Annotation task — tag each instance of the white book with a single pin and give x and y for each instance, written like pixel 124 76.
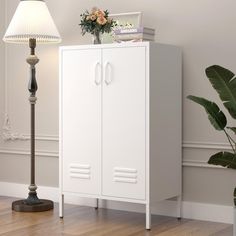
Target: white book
pixel 135 36
pixel 144 30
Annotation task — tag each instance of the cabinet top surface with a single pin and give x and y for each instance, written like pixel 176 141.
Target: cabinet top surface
pixel 110 45
pixel 107 45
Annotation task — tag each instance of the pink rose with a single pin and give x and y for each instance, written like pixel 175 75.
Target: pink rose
pixel 99 13
pixel 93 17
pixel 101 20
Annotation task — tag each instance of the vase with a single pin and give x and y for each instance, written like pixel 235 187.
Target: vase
pixel 97 37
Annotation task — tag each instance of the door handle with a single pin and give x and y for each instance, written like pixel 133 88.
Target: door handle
pixel 98 73
pixel 108 77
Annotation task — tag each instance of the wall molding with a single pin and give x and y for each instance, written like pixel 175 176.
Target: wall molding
pixel 185 163
pixel 201 164
pixel 42 153
pixel 206 145
pixel 46 153
pixel 190 210
pixel 54 138
pixel 8 134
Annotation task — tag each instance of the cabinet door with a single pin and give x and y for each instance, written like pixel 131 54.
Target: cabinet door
pixel 123 122
pixel 81 121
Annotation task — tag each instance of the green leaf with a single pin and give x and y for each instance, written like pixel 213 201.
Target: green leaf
pixel 235 197
pixel 215 115
pixel 235 192
pixel 225 159
pixel 232 129
pixel 224 82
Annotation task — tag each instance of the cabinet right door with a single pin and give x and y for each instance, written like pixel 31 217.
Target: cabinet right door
pixel 123 122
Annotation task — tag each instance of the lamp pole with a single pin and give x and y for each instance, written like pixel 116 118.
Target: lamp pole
pixel 32 203
pixel 32 60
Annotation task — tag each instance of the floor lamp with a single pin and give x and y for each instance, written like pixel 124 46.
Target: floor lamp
pixel 32 23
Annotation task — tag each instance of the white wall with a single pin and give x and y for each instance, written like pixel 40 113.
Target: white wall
pixel 204 29
pixel 2 60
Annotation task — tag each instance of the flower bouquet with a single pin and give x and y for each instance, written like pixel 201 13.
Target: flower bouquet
pixel 96 22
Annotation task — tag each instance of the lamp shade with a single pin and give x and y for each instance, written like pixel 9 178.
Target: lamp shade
pixel 32 20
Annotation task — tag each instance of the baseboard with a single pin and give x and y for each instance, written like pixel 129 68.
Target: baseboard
pixel 190 210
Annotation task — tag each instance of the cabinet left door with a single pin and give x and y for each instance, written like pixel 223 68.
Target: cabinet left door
pixel 80 120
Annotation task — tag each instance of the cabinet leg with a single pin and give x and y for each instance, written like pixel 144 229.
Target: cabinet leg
pixel 148 217
pixel 179 207
pixel 96 204
pixel 61 206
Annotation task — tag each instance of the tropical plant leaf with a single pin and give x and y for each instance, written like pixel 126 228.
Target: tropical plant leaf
pixel 215 115
pixel 232 129
pixel 224 82
pixel 234 196
pixel 225 159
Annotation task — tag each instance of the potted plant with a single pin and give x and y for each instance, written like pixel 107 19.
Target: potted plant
pixel 224 82
pixel 96 22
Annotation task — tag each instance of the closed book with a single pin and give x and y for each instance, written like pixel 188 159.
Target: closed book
pixel 135 30
pixel 134 40
pixel 135 36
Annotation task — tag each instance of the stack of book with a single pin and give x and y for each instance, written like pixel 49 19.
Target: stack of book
pixel 134 34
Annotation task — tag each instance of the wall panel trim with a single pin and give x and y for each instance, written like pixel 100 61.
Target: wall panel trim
pixel 201 164
pixel 185 163
pixel 9 135
pixel 54 138
pixel 42 153
pixel 206 145
pixel 45 153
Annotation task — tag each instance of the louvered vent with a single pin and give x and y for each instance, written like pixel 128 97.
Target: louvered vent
pixel 80 171
pixel 125 175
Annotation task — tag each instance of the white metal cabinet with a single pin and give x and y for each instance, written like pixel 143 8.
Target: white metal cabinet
pixel 120 123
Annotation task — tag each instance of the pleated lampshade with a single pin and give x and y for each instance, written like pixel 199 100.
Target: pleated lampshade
pixel 32 19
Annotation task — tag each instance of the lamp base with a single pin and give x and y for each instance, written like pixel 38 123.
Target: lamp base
pixel 21 206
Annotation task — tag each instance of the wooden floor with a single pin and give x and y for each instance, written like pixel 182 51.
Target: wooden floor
pixel 86 221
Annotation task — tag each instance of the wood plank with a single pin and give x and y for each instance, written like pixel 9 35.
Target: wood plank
pixel 86 221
